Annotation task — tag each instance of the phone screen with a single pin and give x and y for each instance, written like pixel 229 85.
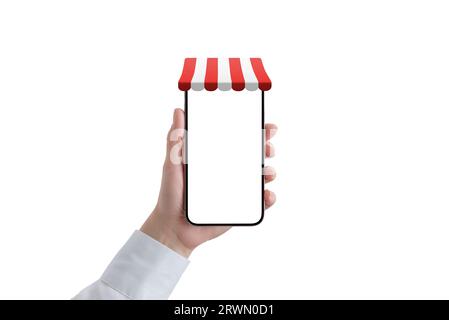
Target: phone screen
pixel 225 149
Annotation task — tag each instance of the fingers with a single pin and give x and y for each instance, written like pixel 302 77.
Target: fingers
pixel 270 130
pixel 270 198
pixel 269 174
pixel 178 119
pixel 174 138
pixel 269 150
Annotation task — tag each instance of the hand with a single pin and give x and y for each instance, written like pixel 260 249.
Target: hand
pixel 167 223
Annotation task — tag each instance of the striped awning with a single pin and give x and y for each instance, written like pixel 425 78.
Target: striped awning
pixel 224 74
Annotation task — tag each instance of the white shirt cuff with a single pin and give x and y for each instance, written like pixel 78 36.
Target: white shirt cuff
pixel 144 269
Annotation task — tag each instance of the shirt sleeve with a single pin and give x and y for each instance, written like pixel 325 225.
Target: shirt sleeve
pixel 142 269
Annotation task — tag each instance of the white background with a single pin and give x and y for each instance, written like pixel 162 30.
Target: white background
pixel 360 95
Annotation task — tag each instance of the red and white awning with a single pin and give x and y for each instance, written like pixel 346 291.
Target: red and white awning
pixel 224 74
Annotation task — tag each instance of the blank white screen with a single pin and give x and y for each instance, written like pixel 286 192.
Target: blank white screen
pixel 224 157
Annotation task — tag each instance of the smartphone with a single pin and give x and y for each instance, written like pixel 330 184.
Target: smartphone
pixel 224 146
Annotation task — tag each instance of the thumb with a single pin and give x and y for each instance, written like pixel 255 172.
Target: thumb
pixel 175 139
